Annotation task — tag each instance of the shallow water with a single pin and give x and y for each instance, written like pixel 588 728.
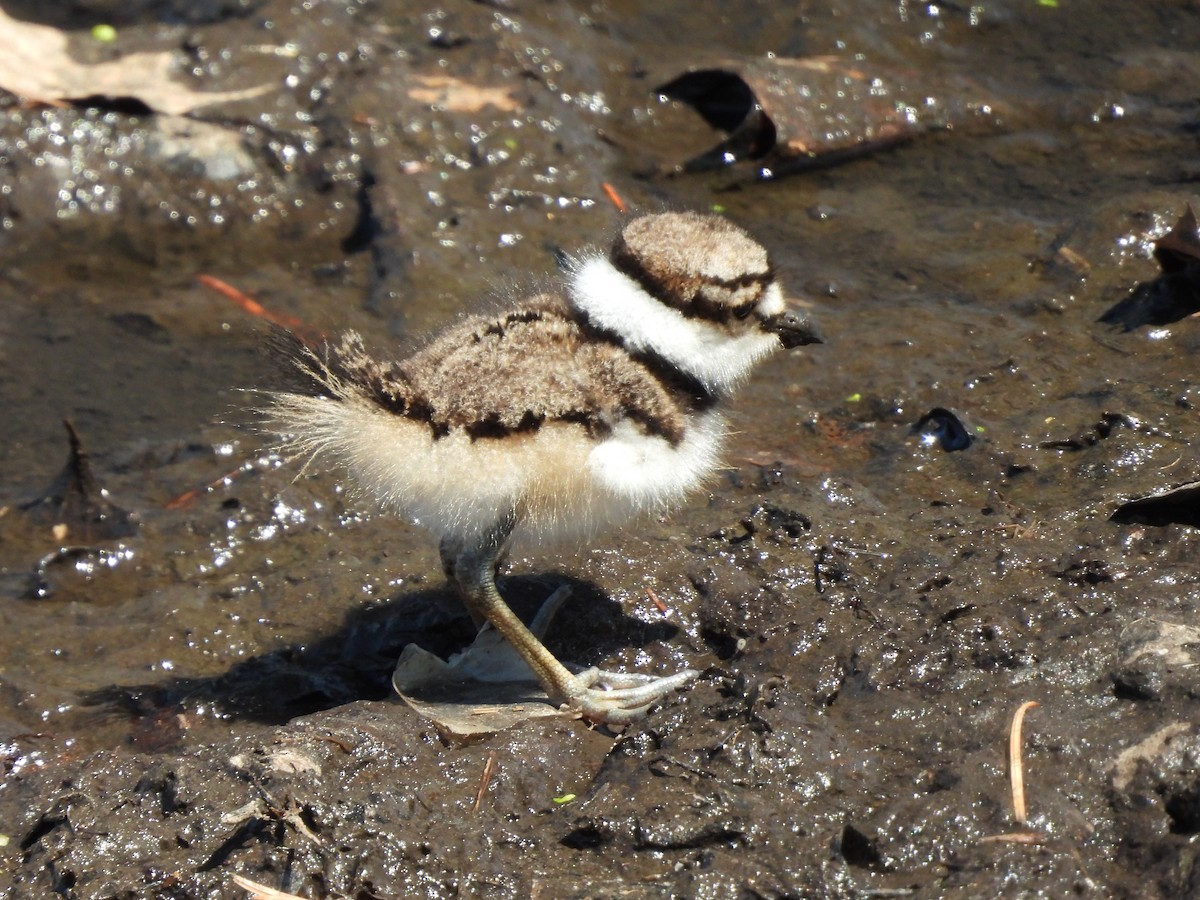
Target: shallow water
pixel 869 609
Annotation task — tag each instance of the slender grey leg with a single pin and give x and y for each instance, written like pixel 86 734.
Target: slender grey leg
pixel 449 548
pixel 474 571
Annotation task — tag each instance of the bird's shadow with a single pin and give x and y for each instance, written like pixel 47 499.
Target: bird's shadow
pixel 356 661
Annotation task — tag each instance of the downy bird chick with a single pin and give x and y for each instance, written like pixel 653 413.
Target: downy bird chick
pixel 567 413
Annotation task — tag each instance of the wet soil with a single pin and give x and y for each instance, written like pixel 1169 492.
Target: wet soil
pixel 960 503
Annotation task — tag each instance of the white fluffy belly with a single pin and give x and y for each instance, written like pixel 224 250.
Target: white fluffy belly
pixel 561 483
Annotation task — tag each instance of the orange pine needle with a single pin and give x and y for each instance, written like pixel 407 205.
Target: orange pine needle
pixel 614 198
pixel 662 607
pixel 186 499
pixel 488 768
pixel 254 308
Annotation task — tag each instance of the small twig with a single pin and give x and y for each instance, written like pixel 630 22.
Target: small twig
pixel 1172 465
pixel 615 198
pixel 1016 772
pixel 292 816
pixel 1018 531
pixel 1014 837
pixel 337 742
pixel 662 607
pixel 261 891
pixel 489 768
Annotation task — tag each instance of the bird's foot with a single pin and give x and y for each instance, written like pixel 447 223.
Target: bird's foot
pixel 613 698
pixel 618 698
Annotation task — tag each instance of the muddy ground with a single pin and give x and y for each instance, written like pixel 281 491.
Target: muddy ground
pixel 200 688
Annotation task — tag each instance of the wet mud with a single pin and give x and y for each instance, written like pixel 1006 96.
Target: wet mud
pixel 979 492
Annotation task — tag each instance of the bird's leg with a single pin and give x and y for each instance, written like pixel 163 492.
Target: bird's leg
pixel 474 571
pixel 450 548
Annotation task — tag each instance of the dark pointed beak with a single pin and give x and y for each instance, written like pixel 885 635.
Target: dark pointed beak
pixel 793 330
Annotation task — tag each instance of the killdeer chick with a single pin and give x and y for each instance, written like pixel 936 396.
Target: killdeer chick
pixel 569 412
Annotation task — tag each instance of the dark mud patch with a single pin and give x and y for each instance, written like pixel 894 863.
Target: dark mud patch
pixel 974 495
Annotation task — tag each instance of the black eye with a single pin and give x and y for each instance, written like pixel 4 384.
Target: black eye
pixel 744 310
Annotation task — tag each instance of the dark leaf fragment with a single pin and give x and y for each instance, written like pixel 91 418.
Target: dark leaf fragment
pixel 790 115
pixel 76 505
pixel 943 427
pixel 1172 506
pixel 1094 434
pixel 1173 295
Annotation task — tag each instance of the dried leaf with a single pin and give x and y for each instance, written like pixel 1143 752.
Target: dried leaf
pixel 35 64
pixel 480 691
pixel 484 689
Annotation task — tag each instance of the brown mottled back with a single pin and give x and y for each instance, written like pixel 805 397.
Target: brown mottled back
pixel 512 372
